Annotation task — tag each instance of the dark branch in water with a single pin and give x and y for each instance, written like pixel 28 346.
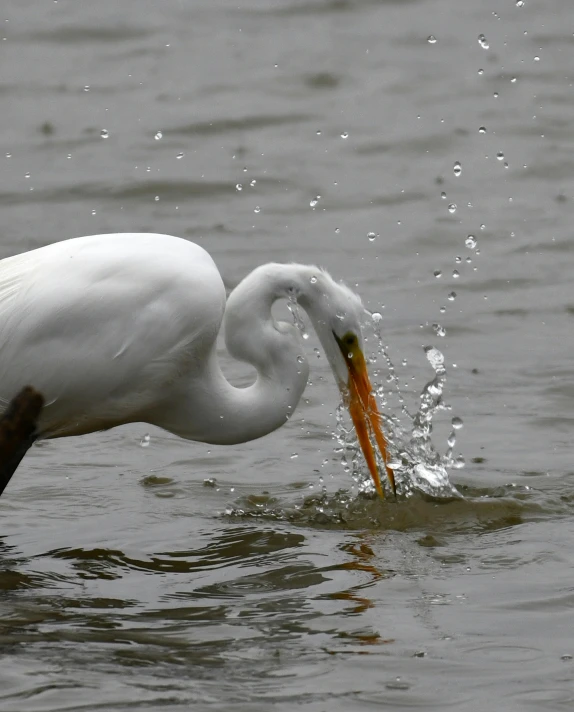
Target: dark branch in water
pixel 18 431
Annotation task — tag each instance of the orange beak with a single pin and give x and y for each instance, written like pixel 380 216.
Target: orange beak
pixel 364 411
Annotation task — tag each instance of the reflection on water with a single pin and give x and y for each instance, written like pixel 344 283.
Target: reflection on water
pixel 264 598
pixel 277 597
pixel 261 603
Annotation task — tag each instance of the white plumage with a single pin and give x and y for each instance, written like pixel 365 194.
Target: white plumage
pixel 121 328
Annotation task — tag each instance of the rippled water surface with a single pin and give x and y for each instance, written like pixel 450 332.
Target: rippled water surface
pixel 152 573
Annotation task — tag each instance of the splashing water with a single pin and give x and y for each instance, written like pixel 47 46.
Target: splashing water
pixel 417 464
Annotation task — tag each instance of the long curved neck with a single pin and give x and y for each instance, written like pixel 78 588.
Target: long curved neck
pixel 218 412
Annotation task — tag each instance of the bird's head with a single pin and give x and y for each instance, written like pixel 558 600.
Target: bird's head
pixel 337 312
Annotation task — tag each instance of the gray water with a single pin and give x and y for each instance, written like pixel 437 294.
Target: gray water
pixel 165 574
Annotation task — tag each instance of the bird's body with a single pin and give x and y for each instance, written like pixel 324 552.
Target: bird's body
pixel 113 329
pixel 102 325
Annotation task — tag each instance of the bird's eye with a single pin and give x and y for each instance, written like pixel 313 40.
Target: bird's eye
pixel 349 339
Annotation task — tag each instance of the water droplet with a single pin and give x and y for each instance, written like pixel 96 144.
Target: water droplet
pixel 345 134
pixel 294 455
pixel 495 95
pixel 252 184
pixel 500 156
pixel 314 202
pixel 457 422
pixel 180 155
pixel 337 230
pixel 340 315
pixel 317 352
pixel 434 357
pixel 482 129
pixel 451 296
pixel 443 195
pixel 483 42
pixel 455 274
pixel 452 208
pixel 439 330
pixel 26 175
pixel 458 259
pixel 145 441
pixel 156 198
pixel 437 273
pixel 519 3
pixel 481 71
pixel 158 136
pixel 87 87
pixel 256 209
pixel 451 440
pixel 318 132
pixel 300 359
pixel 457 168
pixel 313 280
pixel 537 59
pixel 513 80
pixel 377 317
pixel 8 155
pixel 442 310
pixel 238 186
pixel 470 242
pixel 372 236
pixel 93 212
pixel 431 39
pixel 104 133
pixel 459 463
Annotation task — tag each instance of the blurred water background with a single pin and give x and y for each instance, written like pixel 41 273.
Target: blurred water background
pixel 138 571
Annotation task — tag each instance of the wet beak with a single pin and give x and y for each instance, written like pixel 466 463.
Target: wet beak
pixel 365 413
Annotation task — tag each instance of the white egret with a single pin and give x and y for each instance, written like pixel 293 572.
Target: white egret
pixel 121 328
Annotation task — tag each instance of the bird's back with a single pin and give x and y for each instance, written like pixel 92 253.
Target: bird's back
pixel 103 325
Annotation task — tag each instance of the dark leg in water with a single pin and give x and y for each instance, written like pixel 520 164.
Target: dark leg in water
pixel 18 431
